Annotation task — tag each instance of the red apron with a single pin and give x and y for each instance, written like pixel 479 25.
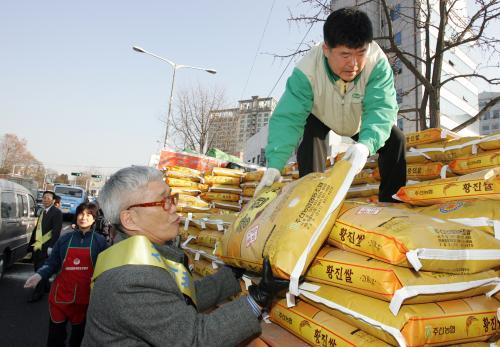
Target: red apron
pixel 70 292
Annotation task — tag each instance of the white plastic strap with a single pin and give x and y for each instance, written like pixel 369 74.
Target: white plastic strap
pixel 390 330
pixel 197 256
pixel 412 257
pixel 186 223
pixel 214 265
pixel 408 292
pixel 493 291
pixel 185 243
pixel 301 262
pixel 247 281
pixel 496 228
pixel 444 170
pixel 415 255
pixel 290 300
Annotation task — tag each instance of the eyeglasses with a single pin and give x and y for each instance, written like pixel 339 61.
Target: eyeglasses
pixel 166 203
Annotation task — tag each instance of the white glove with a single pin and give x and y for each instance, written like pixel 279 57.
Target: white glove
pixel 49 251
pixel 33 281
pixel 357 154
pixel 272 175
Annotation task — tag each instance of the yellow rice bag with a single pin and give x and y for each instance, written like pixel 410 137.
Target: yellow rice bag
pixel 250 184
pixel 413 157
pixel 248 191
pixel 208 237
pixel 227 205
pixel 392 283
pixel 318 328
pixel 287 223
pixel 365 176
pixel 432 324
pixel 182 175
pixel 483 185
pixel 449 150
pixel 428 136
pixel 184 169
pixel 222 188
pixel 480 214
pixel 184 191
pixel 490 142
pixel 188 203
pixel 175 182
pixel 200 252
pixel 203 187
pixel 478 162
pixel 405 238
pixel 220 171
pixel 425 171
pixel 211 180
pixel 289 168
pixel 184 233
pixel 210 196
pixel 253 176
pixel 204 267
pixel 362 190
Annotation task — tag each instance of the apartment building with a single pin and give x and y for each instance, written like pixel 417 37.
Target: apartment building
pixel 490 121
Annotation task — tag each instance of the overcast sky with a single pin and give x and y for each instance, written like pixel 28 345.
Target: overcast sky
pixel 72 86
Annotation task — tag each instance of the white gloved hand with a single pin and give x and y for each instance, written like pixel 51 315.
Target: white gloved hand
pixel 32 281
pixel 270 176
pixel 357 154
pixel 49 251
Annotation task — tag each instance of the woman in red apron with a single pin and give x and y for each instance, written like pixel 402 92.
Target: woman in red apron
pixel 72 258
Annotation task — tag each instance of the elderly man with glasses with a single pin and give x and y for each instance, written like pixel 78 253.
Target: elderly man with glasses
pixel 143 293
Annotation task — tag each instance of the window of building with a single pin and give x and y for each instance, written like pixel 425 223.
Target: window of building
pixel 494 126
pixel 399 96
pixel 397 38
pixel 485 128
pixel 486 115
pixel 400 123
pixel 397 66
pixel 395 12
pixel 496 114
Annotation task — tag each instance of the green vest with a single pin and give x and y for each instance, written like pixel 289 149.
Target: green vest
pixel 40 238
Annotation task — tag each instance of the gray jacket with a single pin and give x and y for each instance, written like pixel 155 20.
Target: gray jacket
pixel 139 305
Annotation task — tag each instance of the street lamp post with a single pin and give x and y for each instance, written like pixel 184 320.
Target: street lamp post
pixel 175 66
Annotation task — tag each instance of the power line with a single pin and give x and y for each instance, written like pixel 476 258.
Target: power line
pixel 291 58
pixel 257 51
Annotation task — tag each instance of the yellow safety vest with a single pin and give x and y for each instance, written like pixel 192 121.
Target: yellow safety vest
pixel 138 250
pixel 40 238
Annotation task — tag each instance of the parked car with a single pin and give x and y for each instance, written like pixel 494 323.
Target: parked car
pixel 39 196
pixel 17 221
pixel 71 197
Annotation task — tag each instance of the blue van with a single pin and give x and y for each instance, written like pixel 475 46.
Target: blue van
pixel 71 197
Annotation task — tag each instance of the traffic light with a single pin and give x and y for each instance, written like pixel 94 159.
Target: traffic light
pixel 96 176
pixel 76 174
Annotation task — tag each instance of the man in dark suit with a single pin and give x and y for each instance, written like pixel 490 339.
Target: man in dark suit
pixel 44 237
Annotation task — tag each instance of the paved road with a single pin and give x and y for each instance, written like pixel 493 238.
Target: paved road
pixel 22 323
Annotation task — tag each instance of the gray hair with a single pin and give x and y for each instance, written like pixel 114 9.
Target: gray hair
pixel 124 188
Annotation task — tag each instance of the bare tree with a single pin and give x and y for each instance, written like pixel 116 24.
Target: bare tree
pixel 15 156
pixel 454 30
pixel 192 121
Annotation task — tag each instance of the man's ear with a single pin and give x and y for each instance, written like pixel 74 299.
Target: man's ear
pixel 127 220
pixel 326 49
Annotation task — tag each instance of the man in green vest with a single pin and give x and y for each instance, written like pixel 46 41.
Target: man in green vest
pixel 43 239
pixel 143 293
pixel 345 84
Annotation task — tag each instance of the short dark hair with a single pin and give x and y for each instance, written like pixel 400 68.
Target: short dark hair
pixel 90 207
pixel 51 193
pixel 348 27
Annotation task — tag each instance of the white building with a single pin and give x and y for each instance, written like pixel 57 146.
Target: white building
pixel 458 97
pixel 490 121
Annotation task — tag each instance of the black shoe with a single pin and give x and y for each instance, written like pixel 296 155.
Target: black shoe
pixel 35 297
